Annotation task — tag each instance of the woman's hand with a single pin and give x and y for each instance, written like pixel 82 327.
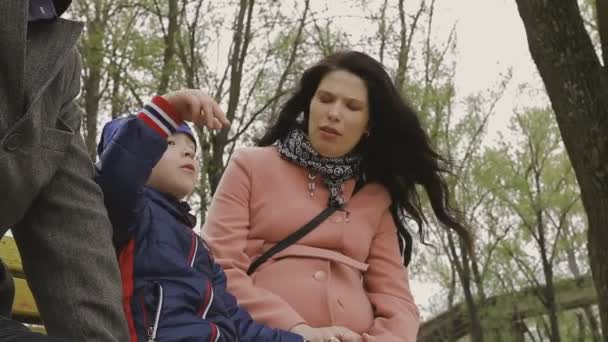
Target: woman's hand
pixel 368 338
pixel 340 334
pixel 196 106
pixel 309 333
pixel 327 334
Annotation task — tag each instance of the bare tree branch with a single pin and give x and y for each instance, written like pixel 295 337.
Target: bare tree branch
pixel 256 114
pixel 560 226
pixel 170 36
pixel 382 30
pixel 292 56
pixel 157 10
pixel 406 43
pixel 133 91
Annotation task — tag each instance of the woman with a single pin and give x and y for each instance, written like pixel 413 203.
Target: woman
pixel 345 138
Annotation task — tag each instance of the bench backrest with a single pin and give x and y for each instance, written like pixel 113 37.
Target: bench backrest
pixel 24 305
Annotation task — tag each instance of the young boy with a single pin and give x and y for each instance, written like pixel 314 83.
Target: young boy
pixel 172 288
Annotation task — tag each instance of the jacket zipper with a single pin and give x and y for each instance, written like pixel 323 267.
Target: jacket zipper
pixel 195 249
pixel 204 310
pixel 208 300
pixel 153 329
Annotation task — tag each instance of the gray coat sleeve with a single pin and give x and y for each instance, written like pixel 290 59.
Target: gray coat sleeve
pixel 65 241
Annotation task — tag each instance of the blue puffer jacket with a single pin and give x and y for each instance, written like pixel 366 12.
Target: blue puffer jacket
pixel 172 288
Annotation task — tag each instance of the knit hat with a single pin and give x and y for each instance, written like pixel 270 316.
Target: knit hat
pixel 112 127
pixel 185 129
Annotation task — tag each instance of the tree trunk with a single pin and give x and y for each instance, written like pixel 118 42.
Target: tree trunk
pixel 464 273
pixel 116 101
pixel 382 31
pixel 241 38
pixel 451 294
pixel 91 108
pixel 170 38
pixel 405 42
pixel 576 272
pixel 577 85
pixel 94 53
pixel 472 306
pixel 402 66
pixel 580 320
pixel 549 290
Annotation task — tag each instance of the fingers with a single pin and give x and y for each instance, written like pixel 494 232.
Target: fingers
pixel 196 106
pixel 350 337
pixel 343 334
pixel 220 115
pixel 368 338
pixel 217 124
pixel 211 115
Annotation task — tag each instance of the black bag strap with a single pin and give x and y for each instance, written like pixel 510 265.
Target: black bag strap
pixel 292 238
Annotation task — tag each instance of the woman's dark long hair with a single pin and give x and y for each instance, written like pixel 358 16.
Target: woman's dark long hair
pixel 397 153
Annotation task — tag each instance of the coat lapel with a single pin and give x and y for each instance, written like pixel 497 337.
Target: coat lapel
pixel 13 28
pixel 49 43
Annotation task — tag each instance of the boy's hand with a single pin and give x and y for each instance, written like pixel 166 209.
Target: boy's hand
pixel 196 106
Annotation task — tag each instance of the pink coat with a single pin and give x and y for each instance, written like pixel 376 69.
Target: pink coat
pixel 345 272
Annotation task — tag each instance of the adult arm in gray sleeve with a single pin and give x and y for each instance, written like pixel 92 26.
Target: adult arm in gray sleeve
pixel 65 241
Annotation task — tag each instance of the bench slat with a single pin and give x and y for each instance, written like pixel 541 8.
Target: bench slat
pixel 24 304
pixel 10 255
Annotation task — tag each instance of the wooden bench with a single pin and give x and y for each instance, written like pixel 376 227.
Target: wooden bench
pixel 24 305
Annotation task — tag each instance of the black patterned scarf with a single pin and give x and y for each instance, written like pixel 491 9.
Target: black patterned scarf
pixel 296 147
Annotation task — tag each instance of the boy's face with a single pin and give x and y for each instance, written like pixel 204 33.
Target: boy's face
pixel 176 171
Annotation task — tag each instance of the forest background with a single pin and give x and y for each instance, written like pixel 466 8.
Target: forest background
pixel 513 92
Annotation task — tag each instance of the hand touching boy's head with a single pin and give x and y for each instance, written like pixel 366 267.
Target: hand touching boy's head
pixel 177 170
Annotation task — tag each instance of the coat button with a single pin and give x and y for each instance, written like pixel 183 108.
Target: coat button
pixel 13 142
pixel 320 275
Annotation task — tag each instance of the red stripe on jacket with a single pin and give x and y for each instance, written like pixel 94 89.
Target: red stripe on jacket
pixel 125 260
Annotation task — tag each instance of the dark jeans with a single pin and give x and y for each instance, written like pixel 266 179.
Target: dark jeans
pixel 13 331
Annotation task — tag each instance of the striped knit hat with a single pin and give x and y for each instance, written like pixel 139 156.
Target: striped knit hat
pixel 157 114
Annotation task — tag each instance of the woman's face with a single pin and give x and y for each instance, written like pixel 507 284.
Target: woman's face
pixel 339 114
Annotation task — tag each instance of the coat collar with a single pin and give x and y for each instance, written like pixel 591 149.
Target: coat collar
pixel 13 30
pixel 49 43
pixel 178 209
pixel 30 57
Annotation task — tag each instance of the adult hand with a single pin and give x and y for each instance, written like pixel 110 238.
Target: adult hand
pixel 368 338
pixel 340 334
pixel 327 334
pixel 309 333
pixel 196 106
